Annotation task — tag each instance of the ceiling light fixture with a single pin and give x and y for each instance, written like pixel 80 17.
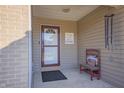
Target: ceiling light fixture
pixel 66 10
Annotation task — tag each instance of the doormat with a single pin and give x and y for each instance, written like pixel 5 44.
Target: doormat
pixel 52 76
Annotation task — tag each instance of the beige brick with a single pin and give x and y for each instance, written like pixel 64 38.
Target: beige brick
pixel 14 46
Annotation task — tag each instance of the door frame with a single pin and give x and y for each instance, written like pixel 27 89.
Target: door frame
pixel 42 45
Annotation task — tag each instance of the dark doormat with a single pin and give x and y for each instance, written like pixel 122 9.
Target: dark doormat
pixel 52 76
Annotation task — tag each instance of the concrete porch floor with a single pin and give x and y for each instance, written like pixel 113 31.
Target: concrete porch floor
pixel 75 80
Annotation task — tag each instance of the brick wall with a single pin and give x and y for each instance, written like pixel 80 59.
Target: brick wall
pixel 14 24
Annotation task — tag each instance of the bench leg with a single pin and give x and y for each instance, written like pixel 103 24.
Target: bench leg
pixel 91 74
pixel 81 69
pixel 98 75
pixel 98 78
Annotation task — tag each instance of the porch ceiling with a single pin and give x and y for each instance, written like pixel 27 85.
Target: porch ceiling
pixel 72 12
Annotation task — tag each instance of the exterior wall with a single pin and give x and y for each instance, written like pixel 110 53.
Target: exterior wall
pixel 68 53
pixel 91 35
pixel 14 26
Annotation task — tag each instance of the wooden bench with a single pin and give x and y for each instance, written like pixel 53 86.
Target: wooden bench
pixel 92 65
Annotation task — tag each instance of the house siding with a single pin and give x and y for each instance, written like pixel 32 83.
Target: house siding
pixel 14 27
pixel 91 35
pixel 68 53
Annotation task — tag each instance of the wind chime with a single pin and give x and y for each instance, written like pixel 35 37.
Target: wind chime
pixel 108 30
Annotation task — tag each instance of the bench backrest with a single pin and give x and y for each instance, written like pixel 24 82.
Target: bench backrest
pixel 93 57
